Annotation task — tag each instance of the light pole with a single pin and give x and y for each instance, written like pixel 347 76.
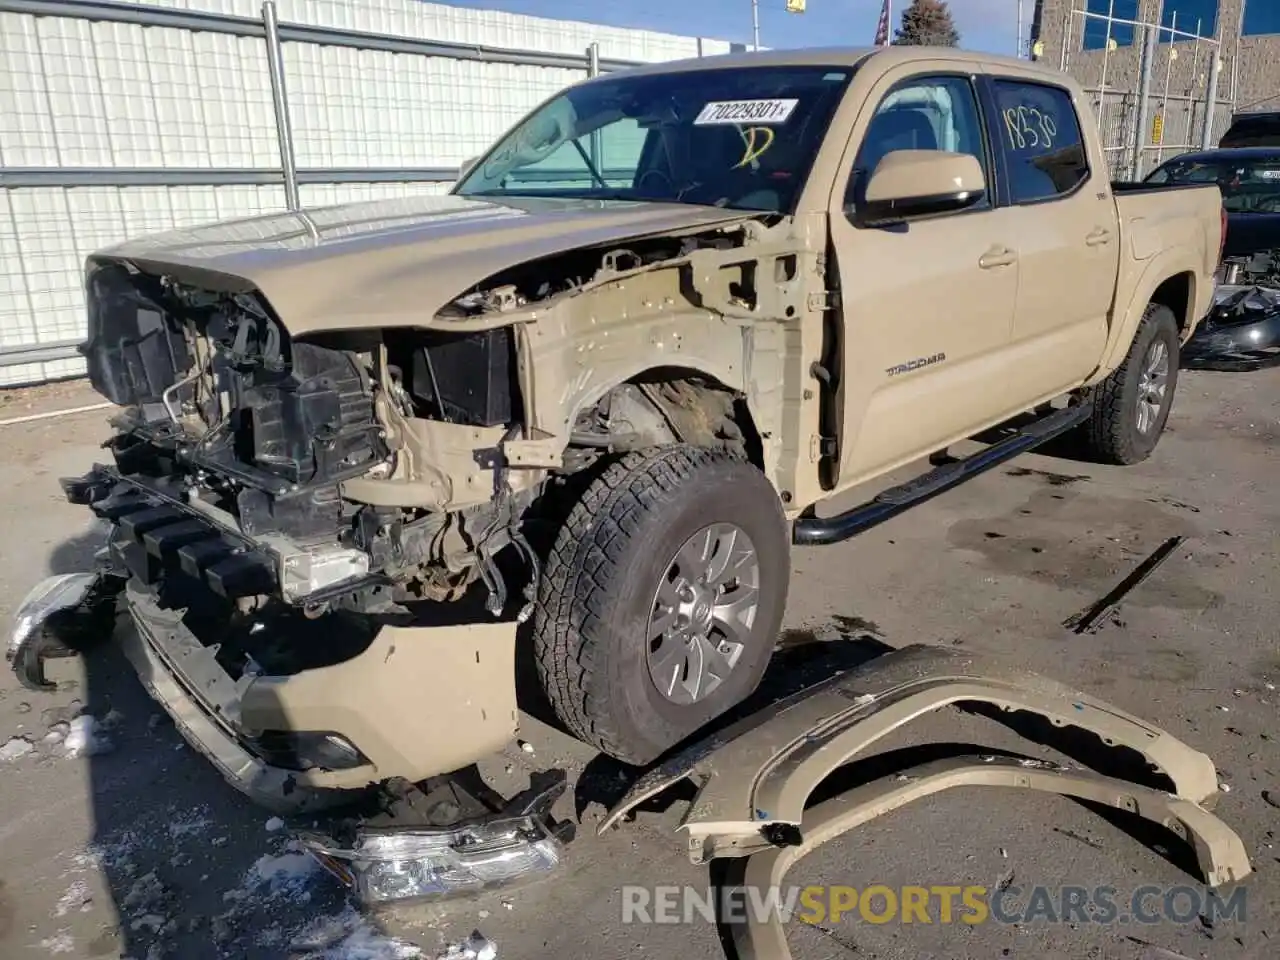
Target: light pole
pixel 1019 41
pixel 755 26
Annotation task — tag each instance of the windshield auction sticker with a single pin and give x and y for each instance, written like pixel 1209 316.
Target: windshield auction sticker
pixel 746 111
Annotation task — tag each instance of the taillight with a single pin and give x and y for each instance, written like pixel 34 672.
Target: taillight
pixel 1222 241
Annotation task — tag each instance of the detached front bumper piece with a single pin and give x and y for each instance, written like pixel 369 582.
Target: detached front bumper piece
pixel 756 777
pixel 417 702
pixel 1240 334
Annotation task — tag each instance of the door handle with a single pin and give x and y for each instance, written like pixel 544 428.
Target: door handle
pixel 998 257
pixel 1098 238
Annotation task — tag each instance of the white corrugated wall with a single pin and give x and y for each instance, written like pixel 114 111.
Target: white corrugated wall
pixel 91 94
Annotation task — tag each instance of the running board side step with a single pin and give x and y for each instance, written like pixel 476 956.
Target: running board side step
pixel 817 531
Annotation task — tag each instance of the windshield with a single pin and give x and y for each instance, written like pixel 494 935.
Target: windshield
pixel 740 138
pixel 1248 186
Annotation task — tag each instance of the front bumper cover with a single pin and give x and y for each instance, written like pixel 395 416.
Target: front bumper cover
pixel 417 702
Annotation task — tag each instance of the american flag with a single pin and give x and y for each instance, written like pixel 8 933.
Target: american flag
pixel 882 29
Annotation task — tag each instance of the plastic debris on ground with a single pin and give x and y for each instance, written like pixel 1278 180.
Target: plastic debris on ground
pixel 350 936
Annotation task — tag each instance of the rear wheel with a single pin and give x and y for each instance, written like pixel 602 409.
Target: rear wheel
pixel 662 598
pixel 1131 406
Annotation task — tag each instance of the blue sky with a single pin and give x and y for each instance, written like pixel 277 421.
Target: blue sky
pixel 988 25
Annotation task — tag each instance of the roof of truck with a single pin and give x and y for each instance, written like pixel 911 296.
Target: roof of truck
pixel 841 56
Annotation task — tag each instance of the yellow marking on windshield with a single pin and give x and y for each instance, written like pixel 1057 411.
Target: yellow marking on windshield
pixel 751 138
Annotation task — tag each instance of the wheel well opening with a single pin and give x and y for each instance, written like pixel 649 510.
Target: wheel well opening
pixel 1175 293
pixel 702 410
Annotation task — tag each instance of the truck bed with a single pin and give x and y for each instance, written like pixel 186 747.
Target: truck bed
pixel 1177 230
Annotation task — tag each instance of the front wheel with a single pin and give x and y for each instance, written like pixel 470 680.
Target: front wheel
pixel 1131 406
pixel 662 598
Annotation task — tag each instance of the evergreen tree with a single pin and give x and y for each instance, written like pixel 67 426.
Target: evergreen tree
pixel 927 23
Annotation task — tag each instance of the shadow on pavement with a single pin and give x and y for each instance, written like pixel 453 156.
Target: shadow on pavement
pixel 800 660
pixel 193 869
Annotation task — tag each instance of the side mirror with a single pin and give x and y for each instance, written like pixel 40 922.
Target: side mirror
pixel 915 183
pixel 467 166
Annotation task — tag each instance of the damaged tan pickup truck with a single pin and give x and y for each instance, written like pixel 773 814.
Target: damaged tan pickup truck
pixel 603 384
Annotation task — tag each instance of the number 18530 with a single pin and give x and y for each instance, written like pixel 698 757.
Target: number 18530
pixel 1029 128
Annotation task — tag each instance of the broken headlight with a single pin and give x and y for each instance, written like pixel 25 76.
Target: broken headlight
pixel 424 863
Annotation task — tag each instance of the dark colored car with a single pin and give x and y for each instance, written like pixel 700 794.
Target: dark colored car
pixel 1260 129
pixel 1242 329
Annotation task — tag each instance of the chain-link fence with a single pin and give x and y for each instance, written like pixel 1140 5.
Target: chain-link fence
pixel 1156 88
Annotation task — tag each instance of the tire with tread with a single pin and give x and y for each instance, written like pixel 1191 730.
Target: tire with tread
pixel 1111 434
pixel 596 593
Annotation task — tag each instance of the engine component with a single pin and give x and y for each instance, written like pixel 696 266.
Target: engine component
pixel 1259 269
pixel 314 423
pixel 466 378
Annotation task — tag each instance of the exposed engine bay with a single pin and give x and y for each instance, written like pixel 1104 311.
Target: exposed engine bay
pixel 1259 269
pixel 248 459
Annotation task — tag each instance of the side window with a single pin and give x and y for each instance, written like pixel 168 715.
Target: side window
pixel 1040 139
pixel 924 113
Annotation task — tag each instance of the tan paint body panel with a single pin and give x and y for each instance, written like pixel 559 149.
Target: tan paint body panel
pixel 1220 852
pixel 1021 302
pixel 1059 316
pixel 417 702
pixel 393 263
pixel 762 770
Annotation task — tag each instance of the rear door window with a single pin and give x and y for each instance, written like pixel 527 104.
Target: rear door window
pixel 1040 139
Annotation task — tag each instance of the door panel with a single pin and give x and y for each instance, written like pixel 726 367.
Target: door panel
pixel 1067 235
pixel 927 305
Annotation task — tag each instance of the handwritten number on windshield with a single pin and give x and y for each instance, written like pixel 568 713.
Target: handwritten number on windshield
pixel 1029 129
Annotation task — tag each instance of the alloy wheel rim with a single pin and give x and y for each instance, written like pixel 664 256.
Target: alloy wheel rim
pixel 702 613
pixel 1153 386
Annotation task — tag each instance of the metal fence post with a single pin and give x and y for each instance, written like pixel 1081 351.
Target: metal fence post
pixel 595 147
pixel 280 99
pixel 1144 95
pixel 1211 101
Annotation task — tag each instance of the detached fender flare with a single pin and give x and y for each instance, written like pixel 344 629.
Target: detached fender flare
pixel 1219 851
pixel 762 770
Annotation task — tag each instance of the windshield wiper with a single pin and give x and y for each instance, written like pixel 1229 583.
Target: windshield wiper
pixel 595 174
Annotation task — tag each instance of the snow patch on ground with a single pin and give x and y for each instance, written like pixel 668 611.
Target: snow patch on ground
pixel 350 936
pixel 117 854
pixel 61 942
pixel 14 749
pixel 475 947
pixel 284 874
pixel 192 822
pixel 76 898
pixel 86 737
